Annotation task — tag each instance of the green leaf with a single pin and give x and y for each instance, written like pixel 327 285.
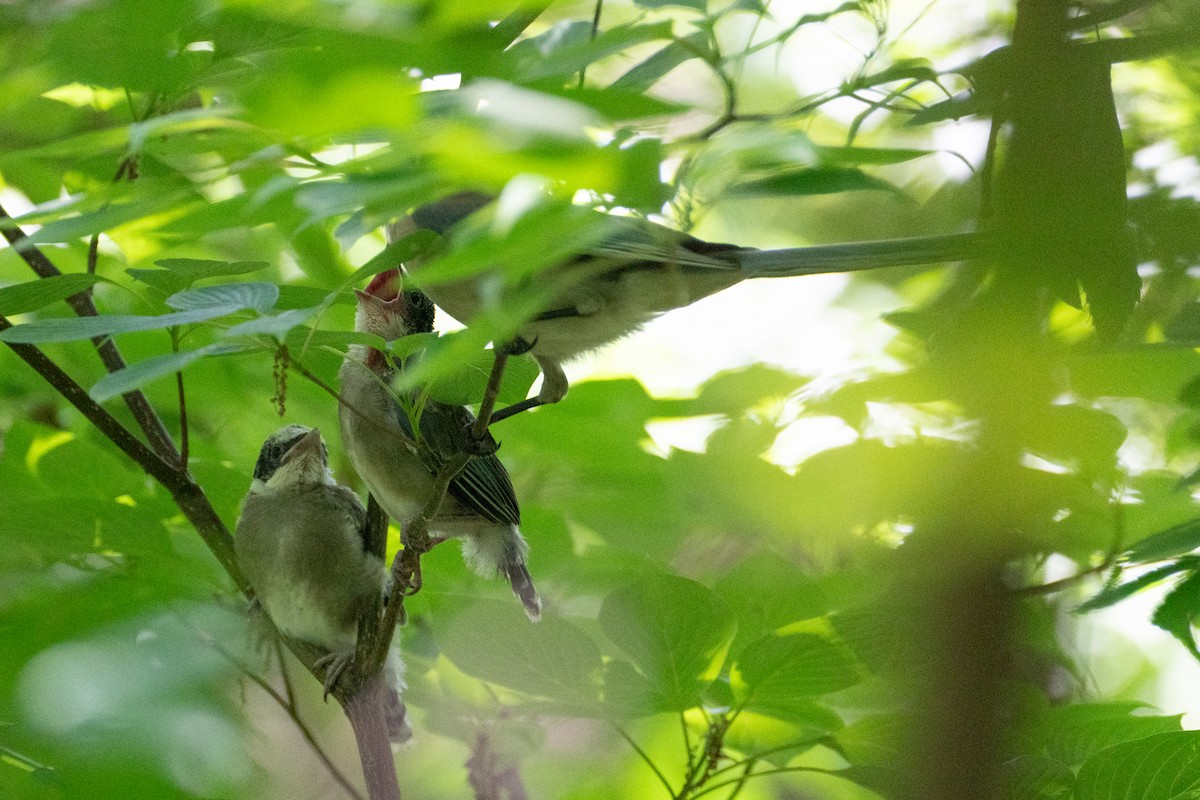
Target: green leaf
pixel 1174 541
pixel 1073 734
pixel 572 56
pixel 812 180
pixel 143 372
pixel 695 5
pixel 77 328
pixel 22 298
pixel 1162 767
pixel 780 670
pixel 256 295
pixel 1035 778
pixel 494 641
pixel 178 274
pixel 455 372
pixel 276 325
pixel 676 632
pixel 1111 595
pixel 298 337
pixel 869 155
pixel 1177 612
pixel 648 72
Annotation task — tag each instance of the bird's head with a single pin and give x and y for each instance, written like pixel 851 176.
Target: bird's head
pixel 294 456
pixel 387 311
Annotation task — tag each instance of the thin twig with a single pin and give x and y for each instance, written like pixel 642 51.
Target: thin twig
pixel 287 703
pixel 646 758
pixel 491 392
pixel 93 253
pixel 595 30
pixel 776 771
pixel 183 418
pixel 693 761
pixel 283 673
pixel 743 778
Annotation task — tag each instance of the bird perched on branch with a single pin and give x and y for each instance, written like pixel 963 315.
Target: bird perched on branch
pixel 301 542
pixel 399 460
pixel 637 270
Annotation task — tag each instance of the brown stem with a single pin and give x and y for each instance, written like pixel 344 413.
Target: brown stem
pixel 365 712
pixel 491 392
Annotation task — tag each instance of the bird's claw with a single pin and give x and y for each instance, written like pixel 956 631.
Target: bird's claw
pixel 335 665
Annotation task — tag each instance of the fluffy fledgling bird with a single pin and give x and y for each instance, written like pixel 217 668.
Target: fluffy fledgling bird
pixel 635 271
pixel 301 542
pixel 480 507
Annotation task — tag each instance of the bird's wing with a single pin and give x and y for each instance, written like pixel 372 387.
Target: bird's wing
pixel 640 244
pixel 347 503
pixel 630 242
pixel 483 485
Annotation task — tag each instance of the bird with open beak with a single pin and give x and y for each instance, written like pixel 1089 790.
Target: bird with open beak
pixel 399 463
pixel 301 542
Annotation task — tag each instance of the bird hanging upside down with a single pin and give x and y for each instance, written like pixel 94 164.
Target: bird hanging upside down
pixel 301 542
pixel 635 271
pixel 399 463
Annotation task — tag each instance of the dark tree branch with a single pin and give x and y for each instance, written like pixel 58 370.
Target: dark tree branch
pixel 187 493
pixel 365 712
pixel 147 418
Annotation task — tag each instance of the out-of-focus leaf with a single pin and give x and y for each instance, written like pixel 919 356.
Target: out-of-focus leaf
pixel 908 69
pixel 877 739
pixel 459 378
pixel 291 297
pixel 178 274
pixel 1175 541
pixel 809 181
pixel 276 325
pixel 1082 437
pixel 573 56
pixel 1035 778
pixel 298 337
pixel 143 372
pixel 648 72
pixel 75 329
pixel 1162 767
pixel 256 295
pixel 22 298
pixel 69 229
pixel 1111 595
pixel 494 641
pixel 869 155
pixel 696 5
pixel 768 592
pixel 675 631
pixel 780 670
pixel 1178 610
pixel 132 137
pixel 1075 733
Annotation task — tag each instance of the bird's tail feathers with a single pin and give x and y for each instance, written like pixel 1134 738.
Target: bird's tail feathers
pixel 501 550
pixel 522 586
